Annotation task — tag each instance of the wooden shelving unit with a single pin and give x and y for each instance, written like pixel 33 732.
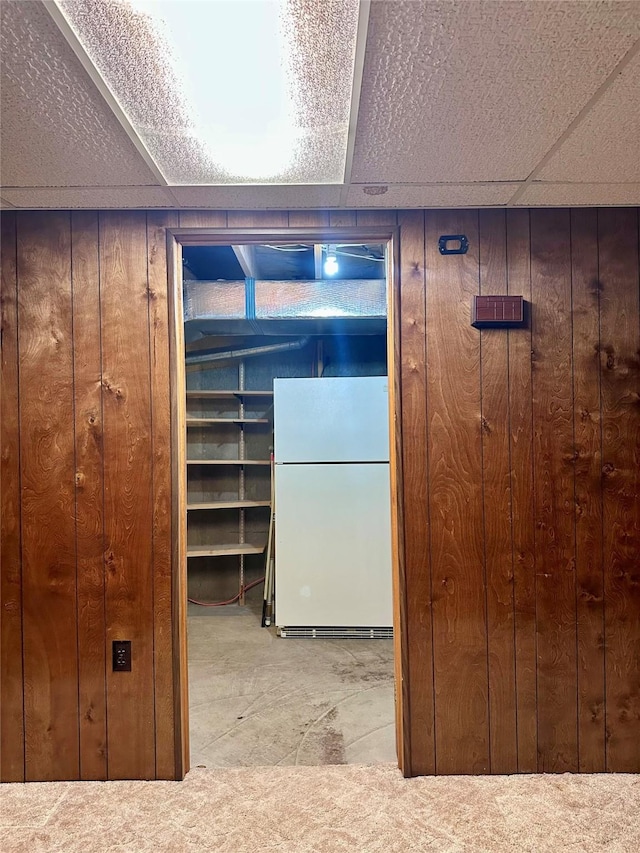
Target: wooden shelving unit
pixel 240 548
pixel 242 462
pixel 197 422
pixel 227 490
pixel 222 395
pixel 205 505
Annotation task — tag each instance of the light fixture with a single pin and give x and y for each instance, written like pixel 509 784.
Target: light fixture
pixel 226 92
pixel 331 262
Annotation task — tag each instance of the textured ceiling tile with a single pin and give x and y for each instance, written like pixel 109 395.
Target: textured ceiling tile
pixel 247 197
pixel 431 195
pixel 580 195
pixel 56 128
pixel 140 64
pixel 480 90
pixel 605 146
pixel 88 197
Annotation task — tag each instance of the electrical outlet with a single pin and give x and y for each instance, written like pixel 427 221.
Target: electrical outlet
pixel 122 655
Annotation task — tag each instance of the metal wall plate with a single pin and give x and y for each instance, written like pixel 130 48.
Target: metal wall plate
pixel 460 247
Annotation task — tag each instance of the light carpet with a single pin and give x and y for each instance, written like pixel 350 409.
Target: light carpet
pixel 322 810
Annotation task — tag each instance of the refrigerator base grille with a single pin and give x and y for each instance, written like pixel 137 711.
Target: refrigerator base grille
pixel 336 633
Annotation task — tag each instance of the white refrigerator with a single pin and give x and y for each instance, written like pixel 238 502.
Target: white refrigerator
pixel 332 507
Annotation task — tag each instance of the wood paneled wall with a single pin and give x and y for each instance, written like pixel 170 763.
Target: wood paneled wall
pixel 520 473
pixel 522 494
pixel 86 496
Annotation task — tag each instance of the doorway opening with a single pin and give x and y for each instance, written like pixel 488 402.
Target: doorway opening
pixel 284 509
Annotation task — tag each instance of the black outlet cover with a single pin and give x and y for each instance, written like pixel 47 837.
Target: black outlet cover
pixel 121 655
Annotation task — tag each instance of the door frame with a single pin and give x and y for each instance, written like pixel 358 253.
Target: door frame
pixel 176 239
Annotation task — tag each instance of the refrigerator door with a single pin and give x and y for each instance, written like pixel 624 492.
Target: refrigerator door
pixel 337 419
pixel 333 545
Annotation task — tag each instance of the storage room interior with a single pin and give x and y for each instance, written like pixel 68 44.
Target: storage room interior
pixel 287 449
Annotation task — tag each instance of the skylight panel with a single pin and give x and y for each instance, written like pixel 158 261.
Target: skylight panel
pixel 228 91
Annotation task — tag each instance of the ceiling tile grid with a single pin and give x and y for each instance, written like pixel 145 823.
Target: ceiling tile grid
pixel 579 195
pixel 247 197
pixel 480 91
pixel 431 195
pixel 56 127
pixel 605 146
pixel 50 198
pixel 462 101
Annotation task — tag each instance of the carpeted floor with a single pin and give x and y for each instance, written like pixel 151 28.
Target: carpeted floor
pixel 322 810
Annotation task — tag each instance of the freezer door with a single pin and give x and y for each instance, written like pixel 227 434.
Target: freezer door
pixel 334 419
pixel 333 545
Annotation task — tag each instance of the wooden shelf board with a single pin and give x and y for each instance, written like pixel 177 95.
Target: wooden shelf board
pixel 226 550
pixel 220 395
pixel 228 462
pixel 227 420
pixel 227 504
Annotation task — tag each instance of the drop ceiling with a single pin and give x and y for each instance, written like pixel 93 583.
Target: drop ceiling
pixel 462 103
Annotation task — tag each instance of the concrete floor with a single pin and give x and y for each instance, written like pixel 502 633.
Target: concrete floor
pixel 257 699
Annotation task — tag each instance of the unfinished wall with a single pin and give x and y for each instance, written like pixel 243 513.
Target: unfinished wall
pixel 521 469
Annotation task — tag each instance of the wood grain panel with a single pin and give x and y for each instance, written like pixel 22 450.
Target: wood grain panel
pixel 419 653
pixel 396 482
pixel 128 475
pixel 178 515
pixel 620 372
pixel 521 452
pixel 376 218
pixel 308 218
pixel 202 218
pixel 455 501
pixel 496 479
pixel 157 223
pixel 11 703
pixel 554 491
pixel 588 491
pixel 257 218
pixel 48 499
pixel 342 218
pixel 89 482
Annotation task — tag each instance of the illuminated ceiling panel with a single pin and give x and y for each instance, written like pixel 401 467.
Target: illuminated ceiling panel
pixel 228 91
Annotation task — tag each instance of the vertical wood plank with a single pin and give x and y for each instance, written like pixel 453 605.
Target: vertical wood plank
pixel 496 479
pixel 157 223
pixel 554 490
pixel 455 501
pixel 417 593
pixel 11 703
pixel 342 218
pixel 588 490
pixel 521 452
pixel 376 217
pixel 48 499
pixel 308 218
pixel 89 481
pixel 202 218
pixel 128 475
pixel 178 514
pixel 257 218
pixel 620 377
pixel 396 482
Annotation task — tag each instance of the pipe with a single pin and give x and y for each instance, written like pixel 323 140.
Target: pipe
pixel 288 346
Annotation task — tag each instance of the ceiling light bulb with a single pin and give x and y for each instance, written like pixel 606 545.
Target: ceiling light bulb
pixel 331 265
